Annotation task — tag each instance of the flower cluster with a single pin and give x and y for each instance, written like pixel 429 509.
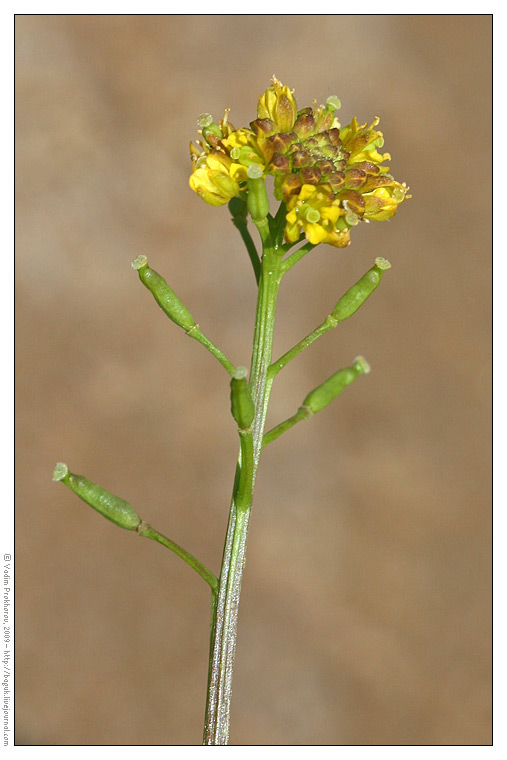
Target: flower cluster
pixel 329 177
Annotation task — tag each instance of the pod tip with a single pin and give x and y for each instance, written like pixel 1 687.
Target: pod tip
pixel 204 120
pixel 362 365
pixel 139 262
pixel 333 101
pixel 60 471
pixel 240 373
pixel 254 171
pixel 382 263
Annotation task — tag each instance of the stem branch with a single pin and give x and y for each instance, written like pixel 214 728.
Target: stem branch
pixel 148 532
pixel 328 324
pixel 196 333
pixel 250 247
pixel 302 414
pixel 296 256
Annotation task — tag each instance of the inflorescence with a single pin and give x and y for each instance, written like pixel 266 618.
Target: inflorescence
pixel 330 178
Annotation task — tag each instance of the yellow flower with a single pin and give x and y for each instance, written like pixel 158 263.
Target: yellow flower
pixel 242 146
pixel 314 213
pixel 278 105
pixel 382 203
pixel 216 178
pixel 361 142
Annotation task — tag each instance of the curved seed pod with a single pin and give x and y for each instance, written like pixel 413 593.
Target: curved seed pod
pixel 322 396
pixel 358 293
pixel 110 506
pixel 163 294
pixel 242 405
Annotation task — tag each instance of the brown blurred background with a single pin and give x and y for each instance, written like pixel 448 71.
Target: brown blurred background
pixel 365 616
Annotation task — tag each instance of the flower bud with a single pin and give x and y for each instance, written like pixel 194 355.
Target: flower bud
pixel 283 141
pixel 355 177
pixel 111 507
pixel 242 405
pixel 358 293
pixel 324 119
pixel 322 396
pixel 337 180
pixel 263 127
pixel 164 296
pixel 352 201
pixel 291 185
pixel 301 157
pixel 258 203
pixel 311 175
pixel 279 164
pixel 305 125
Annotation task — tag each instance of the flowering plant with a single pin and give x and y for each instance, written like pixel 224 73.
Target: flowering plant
pixel 327 180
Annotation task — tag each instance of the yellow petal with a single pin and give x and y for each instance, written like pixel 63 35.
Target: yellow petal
pixel 306 192
pixel 330 212
pixel 315 233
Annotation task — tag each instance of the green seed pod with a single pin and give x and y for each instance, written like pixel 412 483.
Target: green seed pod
pixel 358 293
pixel 164 296
pixel 242 405
pixel 258 203
pixel 322 396
pixel 111 507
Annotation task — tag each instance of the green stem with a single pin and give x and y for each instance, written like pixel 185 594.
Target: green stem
pixel 260 382
pixel 195 332
pixel 148 532
pixel 225 613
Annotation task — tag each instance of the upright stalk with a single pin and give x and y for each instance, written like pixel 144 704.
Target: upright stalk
pixel 226 604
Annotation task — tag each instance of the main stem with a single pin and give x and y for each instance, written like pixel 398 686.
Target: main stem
pixel 226 601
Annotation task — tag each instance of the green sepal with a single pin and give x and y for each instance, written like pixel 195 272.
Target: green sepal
pixel 358 293
pixel 242 405
pixel 110 506
pixel 163 294
pixel 322 396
